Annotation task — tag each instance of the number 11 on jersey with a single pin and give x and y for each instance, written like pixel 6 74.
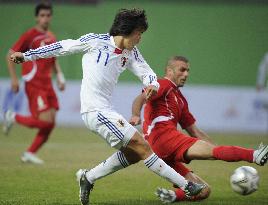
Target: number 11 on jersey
pixel 106 58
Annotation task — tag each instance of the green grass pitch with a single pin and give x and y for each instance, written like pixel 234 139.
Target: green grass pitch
pixel 72 148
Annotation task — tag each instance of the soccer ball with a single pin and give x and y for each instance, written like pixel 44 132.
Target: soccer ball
pixel 245 180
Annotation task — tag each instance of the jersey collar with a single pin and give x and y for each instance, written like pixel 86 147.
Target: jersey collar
pixel 117 50
pixel 173 84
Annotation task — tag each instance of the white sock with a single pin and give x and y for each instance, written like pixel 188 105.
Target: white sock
pixel 159 167
pixel 114 163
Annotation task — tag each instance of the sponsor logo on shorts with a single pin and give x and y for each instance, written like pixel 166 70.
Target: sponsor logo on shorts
pixel 40 103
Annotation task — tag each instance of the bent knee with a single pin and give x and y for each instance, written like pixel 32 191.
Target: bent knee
pixel 140 146
pixel 205 193
pixel 145 150
pixel 48 116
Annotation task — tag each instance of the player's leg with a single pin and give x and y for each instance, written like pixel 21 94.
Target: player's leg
pixel 204 193
pixel 204 150
pixel 106 125
pixel 32 122
pixel 38 103
pixel 47 116
pixel 44 105
pixel 143 151
pixel 41 137
pixel 171 145
pixel 121 135
pixel 169 196
pixel 190 176
pixel 137 149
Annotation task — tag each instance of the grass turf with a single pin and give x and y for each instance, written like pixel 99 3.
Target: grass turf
pixel 72 148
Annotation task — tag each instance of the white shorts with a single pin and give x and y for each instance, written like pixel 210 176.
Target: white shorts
pixel 114 129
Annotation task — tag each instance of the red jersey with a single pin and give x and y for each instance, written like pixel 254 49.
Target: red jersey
pixel 36 73
pixel 166 109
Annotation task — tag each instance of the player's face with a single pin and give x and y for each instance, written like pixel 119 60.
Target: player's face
pixel 180 73
pixel 133 39
pixel 43 18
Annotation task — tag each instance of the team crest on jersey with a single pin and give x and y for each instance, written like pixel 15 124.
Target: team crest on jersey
pixel 121 123
pixel 123 61
pixel 40 103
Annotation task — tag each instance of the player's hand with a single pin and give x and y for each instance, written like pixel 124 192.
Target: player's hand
pixel 17 57
pixel 150 91
pixel 135 120
pixel 259 88
pixel 61 81
pixel 15 85
pixel 61 86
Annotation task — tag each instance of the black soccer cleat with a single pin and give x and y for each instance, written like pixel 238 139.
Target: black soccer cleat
pixel 85 186
pixel 193 189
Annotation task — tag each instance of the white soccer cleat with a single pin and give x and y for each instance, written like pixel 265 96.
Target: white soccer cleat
pixel 31 158
pixel 9 118
pixel 260 156
pixel 165 195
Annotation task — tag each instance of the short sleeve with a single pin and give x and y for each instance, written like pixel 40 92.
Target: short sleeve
pixel 22 44
pixel 141 69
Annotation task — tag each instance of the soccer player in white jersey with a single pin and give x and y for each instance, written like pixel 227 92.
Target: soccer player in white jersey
pixel 261 84
pixel 262 73
pixel 105 57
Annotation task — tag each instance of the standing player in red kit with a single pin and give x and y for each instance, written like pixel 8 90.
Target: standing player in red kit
pixel 43 103
pixel 163 112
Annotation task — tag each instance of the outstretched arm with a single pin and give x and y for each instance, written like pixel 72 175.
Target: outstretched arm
pixel 136 109
pixel 61 48
pixel 12 73
pixel 194 131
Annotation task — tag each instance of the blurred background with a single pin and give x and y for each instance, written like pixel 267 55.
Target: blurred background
pixel 224 41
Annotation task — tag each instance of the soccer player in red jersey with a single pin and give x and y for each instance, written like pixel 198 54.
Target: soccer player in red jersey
pixel 43 103
pixel 163 112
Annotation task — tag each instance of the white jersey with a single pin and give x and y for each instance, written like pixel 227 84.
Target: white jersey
pixel 102 64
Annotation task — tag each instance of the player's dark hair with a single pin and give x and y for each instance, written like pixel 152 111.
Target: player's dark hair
pixel 128 20
pixel 42 6
pixel 179 58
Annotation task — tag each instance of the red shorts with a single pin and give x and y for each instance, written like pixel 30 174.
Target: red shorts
pixel 170 144
pixel 40 100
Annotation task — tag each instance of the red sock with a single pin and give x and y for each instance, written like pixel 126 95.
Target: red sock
pixel 39 140
pixel 180 195
pixel 233 153
pixel 32 122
